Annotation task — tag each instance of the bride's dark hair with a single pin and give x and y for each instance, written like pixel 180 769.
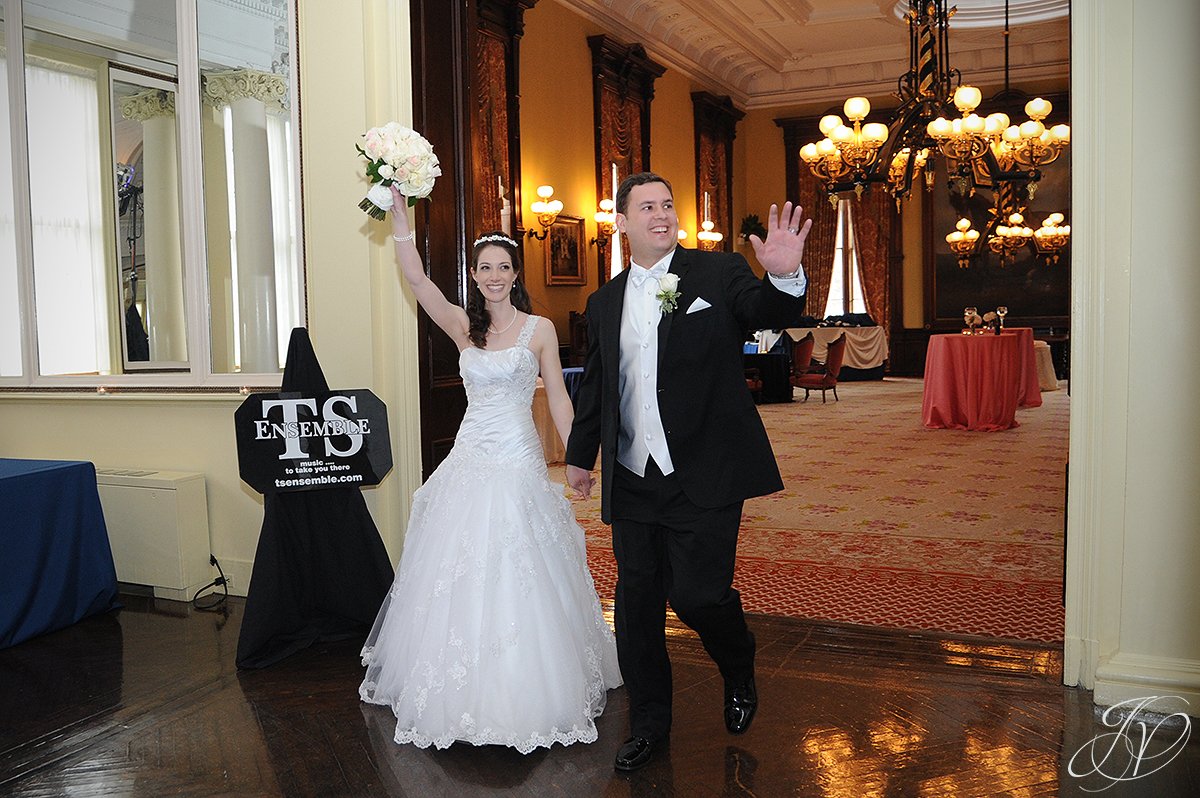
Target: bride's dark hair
pixel 477 312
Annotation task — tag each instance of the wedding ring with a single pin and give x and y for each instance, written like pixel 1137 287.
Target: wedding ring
pixel 793 230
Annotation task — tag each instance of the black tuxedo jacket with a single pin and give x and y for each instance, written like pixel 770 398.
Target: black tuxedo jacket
pixel 717 441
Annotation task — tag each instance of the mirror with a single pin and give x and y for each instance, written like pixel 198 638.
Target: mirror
pixel 250 195
pixel 150 263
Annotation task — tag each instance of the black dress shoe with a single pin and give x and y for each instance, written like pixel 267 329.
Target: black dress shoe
pixel 741 702
pixel 635 753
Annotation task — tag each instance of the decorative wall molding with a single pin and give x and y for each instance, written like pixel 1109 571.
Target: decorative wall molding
pixel 148 104
pixel 222 88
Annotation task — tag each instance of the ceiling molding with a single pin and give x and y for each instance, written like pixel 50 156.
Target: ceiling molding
pixel 795 53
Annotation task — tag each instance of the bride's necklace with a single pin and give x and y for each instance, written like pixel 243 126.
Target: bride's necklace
pixel 511 322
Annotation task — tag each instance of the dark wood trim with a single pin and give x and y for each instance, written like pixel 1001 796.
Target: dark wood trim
pixel 505 19
pixel 715 124
pixel 626 72
pixel 446 90
pixel 792 142
pixel 441 71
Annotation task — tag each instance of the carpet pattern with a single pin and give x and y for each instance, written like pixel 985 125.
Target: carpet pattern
pixel 886 523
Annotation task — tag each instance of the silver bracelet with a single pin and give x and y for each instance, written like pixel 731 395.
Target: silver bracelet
pixel 409 237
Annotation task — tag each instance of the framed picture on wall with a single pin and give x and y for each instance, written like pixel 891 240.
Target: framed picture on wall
pixel 565 250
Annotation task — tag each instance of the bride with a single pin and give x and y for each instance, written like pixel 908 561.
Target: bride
pixel 492 632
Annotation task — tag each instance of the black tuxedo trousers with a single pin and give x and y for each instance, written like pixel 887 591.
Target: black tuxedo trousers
pixel 670 550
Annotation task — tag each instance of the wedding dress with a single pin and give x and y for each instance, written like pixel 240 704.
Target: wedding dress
pixel 492 632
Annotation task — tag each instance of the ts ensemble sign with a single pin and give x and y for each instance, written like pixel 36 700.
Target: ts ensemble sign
pixel 295 441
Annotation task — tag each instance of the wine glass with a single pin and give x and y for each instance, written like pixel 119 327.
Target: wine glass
pixel 1002 311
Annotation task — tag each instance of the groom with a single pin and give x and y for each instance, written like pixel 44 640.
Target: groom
pixel 663 398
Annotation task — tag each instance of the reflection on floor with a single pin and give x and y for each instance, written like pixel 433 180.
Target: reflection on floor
pixel 146 701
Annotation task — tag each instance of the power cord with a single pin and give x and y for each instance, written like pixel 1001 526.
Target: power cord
pixel 221 582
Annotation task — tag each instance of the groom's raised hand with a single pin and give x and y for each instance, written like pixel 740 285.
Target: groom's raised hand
pixel 782 252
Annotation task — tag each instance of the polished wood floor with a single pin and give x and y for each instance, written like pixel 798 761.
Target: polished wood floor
pixel 146 701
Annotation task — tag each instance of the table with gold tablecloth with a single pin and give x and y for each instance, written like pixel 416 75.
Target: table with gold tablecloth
pixel 866 347
pixel 1047 377
pixel 552 446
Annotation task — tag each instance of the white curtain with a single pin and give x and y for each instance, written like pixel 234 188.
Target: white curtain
pixel 844 251
pixel 69 259
pixel 10 316
pixel 289 300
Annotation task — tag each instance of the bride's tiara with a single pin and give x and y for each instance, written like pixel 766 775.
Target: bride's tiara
pixel 494 238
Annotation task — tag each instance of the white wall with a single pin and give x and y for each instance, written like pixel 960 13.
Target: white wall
pixel 1133 619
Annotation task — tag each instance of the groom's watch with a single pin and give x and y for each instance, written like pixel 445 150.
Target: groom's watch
pixel 793 275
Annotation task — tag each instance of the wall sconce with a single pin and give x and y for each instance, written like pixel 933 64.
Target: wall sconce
pixel 682 235
pixel 962 242
pixel 606 219
pixel 708 239
pixel 546 210
pixel 606 225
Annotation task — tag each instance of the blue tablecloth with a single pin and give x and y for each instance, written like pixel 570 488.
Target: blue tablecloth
pixel 57 564
pixel 572 376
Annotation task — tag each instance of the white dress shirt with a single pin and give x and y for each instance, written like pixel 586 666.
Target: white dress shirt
pixel 641 434
pixel 795 284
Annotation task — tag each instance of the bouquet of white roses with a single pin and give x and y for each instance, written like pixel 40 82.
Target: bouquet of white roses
pixel 400 155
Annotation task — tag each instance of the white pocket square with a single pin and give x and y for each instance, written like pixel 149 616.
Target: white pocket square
pixel 698 304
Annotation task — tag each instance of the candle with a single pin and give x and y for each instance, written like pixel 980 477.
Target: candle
pixel 505 208
pixel 617 261
pixel 706 206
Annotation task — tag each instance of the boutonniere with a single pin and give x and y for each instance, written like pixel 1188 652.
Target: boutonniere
pixel 667 296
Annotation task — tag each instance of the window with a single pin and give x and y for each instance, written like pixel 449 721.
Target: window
pixel 151 235
pixel 10 304
pixel 845 285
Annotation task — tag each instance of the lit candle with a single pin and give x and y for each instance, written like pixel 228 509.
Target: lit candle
pixel 617 262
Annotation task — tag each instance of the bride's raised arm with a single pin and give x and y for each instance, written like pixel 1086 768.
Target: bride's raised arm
pixel 451 318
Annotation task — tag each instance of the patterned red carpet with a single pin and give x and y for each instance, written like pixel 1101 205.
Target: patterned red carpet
pixel 885 523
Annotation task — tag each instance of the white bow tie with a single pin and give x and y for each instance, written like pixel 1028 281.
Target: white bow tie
pixel 638 276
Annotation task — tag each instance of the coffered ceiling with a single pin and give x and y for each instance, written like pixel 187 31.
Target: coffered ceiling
pixel 813 53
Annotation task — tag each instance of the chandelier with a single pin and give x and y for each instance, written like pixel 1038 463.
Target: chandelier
pixel 936 117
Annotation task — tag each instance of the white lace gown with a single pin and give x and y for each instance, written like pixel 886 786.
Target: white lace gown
pixel 492 632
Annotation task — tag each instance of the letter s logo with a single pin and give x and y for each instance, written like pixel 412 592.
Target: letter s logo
pixel 354 435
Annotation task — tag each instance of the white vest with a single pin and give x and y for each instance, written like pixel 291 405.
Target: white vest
pixel 641 434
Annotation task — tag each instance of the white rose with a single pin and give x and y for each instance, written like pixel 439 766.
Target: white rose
pixel 380 196
pixel 373 145
pixel 668 282
pixel 386 171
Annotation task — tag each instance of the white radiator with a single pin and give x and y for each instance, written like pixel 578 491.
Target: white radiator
pixel 158 528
